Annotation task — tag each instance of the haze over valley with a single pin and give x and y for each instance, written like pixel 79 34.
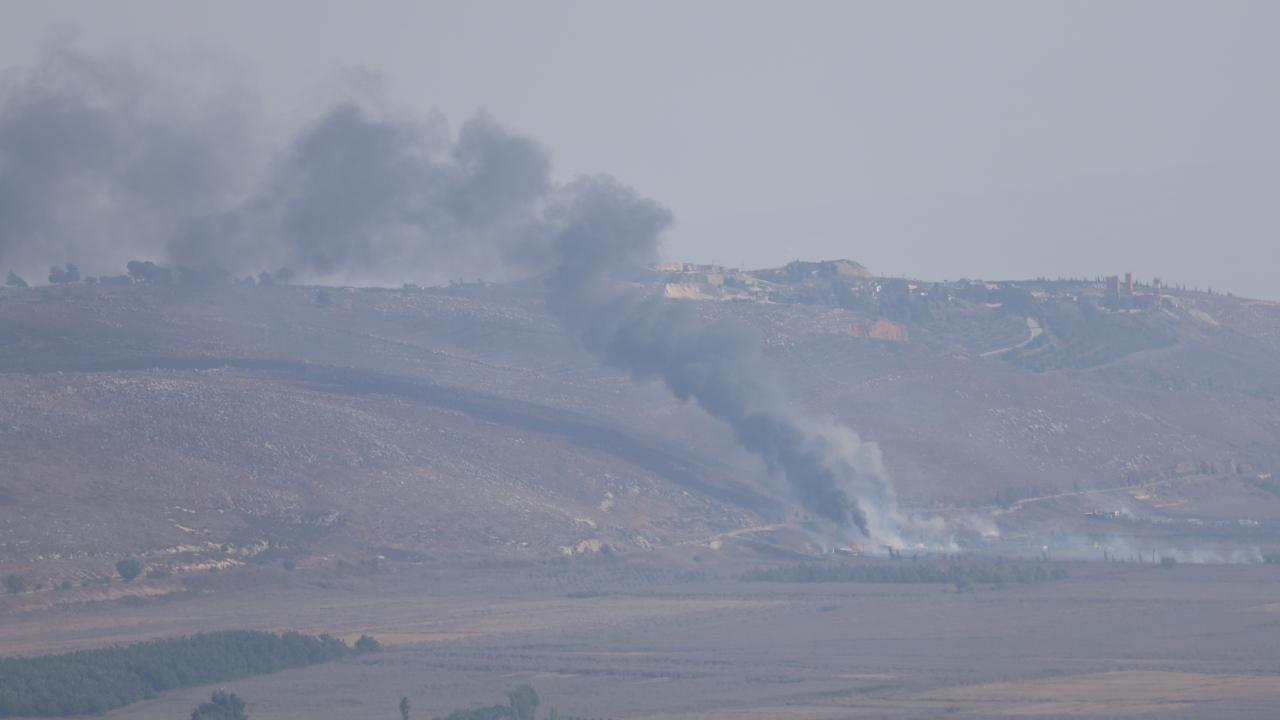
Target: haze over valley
pixel 365 410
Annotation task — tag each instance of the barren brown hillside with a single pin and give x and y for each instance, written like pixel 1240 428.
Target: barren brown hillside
pixel 193 427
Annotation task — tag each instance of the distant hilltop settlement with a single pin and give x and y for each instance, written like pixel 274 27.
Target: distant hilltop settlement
pixel 1132 296
pixel 838 283
pixel 688 281
pixel 888 309
pixel 825 282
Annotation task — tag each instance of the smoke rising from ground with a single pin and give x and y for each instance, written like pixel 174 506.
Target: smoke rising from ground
pixel 607 228
pixel 98 165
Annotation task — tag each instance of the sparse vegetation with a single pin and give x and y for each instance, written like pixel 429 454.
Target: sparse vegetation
pixel 93 681
pixel 1081 336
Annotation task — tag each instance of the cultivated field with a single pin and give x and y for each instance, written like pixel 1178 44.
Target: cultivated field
pixel 627 639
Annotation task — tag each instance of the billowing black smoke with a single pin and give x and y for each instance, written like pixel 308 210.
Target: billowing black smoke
pixel 607 228
pixel 366 194
pixel 363 194
pixel 104 157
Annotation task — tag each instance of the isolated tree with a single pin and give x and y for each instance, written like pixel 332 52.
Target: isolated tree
pixel 14 584
pixel 14 281
pixel 404 708
pixel 367 643
pixel 222 705
pixel 524 702
pixel 69 273
pixel 129 568
pixel 149 272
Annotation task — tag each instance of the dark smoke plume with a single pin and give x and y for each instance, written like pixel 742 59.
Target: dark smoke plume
pixel 366 194
pixel 104 157
pixel 719 365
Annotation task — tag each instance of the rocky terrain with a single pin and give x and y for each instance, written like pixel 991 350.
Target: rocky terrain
pixel 213 427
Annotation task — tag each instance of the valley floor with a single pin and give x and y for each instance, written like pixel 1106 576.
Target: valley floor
pixel 621 639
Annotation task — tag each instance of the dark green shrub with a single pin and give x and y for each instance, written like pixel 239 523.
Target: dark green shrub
pixel 14 584
pixel 129 568
pixel 221 706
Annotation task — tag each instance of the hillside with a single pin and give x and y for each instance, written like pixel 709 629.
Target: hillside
pixel 215 426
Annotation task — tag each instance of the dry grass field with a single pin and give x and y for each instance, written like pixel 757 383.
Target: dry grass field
pixel 625 639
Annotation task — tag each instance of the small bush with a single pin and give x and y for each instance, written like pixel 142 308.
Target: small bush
pixel 1168 562
pixel 367 643
pixel 129 568
pixel 14 584
pixel 524 702
pixel 221 706
pixel 290 565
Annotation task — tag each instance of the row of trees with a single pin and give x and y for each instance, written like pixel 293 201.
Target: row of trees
pixel 93 681
pixel 145 271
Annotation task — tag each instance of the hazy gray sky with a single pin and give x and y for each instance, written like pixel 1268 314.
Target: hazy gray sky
pixel 937 140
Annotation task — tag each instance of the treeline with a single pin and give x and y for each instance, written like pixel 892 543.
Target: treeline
pixel 93 681
pixel 962 575
pixel 145 271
